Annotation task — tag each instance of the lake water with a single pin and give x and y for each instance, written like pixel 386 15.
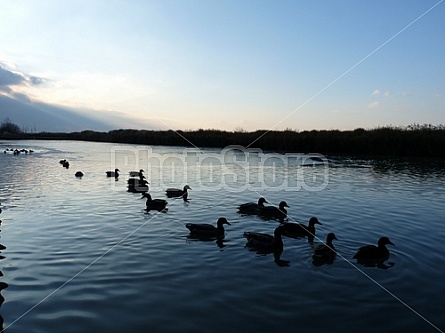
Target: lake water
pixel 82 255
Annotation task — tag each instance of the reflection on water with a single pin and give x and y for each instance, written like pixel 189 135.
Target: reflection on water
pixel 83 250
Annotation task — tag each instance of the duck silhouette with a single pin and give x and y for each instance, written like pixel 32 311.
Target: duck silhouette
pixel 79 174
pixel 208 231
pixel 299 230
pixel 114 173
pixel 264 243
pixel 154 204
pixel 178 193
pixel 325 253
pixel 139 174
pixel 279 212
pixel 136 185
pixel 374 253
pixel 252 208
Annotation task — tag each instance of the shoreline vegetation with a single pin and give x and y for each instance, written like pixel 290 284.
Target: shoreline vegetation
pixel 410 141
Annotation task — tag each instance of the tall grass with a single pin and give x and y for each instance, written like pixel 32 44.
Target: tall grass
pixel 414 140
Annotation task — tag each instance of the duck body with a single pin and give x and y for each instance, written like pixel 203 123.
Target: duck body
pixel 154 204
pixel 114 173
pixel 279 212
pixel 208 230
pixel 79 174
pixel 265 242
pixel 252 208
pixel 374 253
pixel 325 253
pixel 299 230
pixel 139 174
pixel 177 192
pixel 136 185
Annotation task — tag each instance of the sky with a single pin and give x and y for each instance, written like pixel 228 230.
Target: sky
pixel 229 64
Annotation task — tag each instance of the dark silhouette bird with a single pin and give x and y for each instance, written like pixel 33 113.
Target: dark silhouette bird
pixel 279 212
pixel 207 230
pixel 178 193
pixel 114 173
pixel 65 164
pixel 252 207
pixel 154 204
pixel 136 185
pixel 325 253
pixel 139 174
pixel 299 230
pixel 372 252
pixel 79 174
pixel 264 243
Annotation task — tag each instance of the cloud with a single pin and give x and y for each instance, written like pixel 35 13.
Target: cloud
pixel 374 105
pixel 380 92
pixel 9 78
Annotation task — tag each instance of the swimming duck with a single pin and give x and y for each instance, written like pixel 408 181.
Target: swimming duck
pixel 372 252
pixel 79 174
pixel 208 230
pixel 325 252
pixel 114 173
pixel 297 230
pixel 139 174
pixel 273 211
pixel 177 193
pixel 137 185
pixel 262 241
pixel 154 204
pixel 252 207
pixel 265 243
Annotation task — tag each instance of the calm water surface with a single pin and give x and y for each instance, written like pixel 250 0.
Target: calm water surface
pixel 83 255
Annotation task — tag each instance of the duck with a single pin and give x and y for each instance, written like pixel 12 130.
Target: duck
pixel 299 230
pixel 273 211
pixel 79 174
pixel 114 173
pixel 208 230
pixel 264 243
pixel 325 252
pixel 154 204
pixel 252 207
pixel 137 185
pixel 177 193
pixel 258 240
pixel 372 252
pixel 139 174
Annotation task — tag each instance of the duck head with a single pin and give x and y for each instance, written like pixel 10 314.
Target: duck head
pixel 313 221
pixel 331 237
pixel 221 221
pixel 283 204
pixel 385 241
pixel 261 201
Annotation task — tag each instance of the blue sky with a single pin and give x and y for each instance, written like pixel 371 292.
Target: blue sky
pixel 230 64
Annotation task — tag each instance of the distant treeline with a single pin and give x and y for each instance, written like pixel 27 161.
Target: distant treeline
pixel 413 140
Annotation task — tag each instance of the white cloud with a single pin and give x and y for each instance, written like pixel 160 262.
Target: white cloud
pixel 374 105
pixel 380 92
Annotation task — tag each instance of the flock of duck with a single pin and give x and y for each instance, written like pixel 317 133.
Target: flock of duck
pixel 323 253
pixel 260 242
